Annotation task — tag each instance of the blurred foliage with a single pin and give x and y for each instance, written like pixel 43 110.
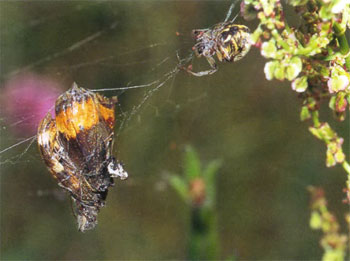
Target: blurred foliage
pixel 197 187
pixel 333 243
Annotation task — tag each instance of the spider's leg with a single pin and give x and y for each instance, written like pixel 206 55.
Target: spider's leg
pixel 198 33
pixel 183 61
pixel 234 18
pixel 212 63
pixel 213 69
pixel 202 73
pixel 229 12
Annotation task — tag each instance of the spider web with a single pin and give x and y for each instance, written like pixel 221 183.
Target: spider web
pixel 145 65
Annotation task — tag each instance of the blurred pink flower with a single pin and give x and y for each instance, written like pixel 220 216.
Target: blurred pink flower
pixel 26 99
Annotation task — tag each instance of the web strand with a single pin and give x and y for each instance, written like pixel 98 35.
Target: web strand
pixel 69 49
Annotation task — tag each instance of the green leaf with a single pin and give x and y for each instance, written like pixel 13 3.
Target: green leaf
pixel 268 49
pixel 255 36
pixel 268 7
pixel 324 132
pixel 305 113
pixel 209 175
pixel 294 68
pixel 316 132
pixel 279 72
pixel 315 220
pixel 192 164
pixel 300 84
pixel 325 13
pixel 339 156
pixel 338 83
pixel 332 101
pixel 327 131
pixel 211 170
pixel 180 186
pixel 269 69
pixel 333 255
pixel 341 102
pixel 330 160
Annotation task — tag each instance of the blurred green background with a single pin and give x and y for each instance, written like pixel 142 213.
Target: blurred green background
pixel 236 115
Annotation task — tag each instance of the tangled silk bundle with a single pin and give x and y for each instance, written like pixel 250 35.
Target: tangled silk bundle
pixel 77 145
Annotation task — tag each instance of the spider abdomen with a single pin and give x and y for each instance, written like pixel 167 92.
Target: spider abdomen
pixel 233 42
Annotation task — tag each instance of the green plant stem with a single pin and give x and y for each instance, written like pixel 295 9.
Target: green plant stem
pixel 343 43
pixel 315 119
pixel 346 167
pixel 203 238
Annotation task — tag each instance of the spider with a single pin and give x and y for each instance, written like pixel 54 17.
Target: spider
pixel 230 42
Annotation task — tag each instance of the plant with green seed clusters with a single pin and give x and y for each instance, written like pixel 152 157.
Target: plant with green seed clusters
pixel 314 57
pixel 333 242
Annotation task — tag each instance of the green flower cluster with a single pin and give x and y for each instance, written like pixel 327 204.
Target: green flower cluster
pixel 334 143
pixel 314 56
pixel 333 243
